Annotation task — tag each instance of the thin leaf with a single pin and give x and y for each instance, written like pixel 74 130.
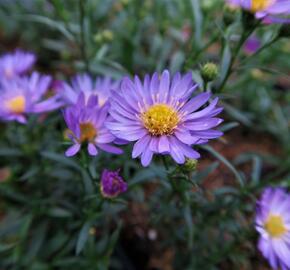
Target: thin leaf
pixel 224 161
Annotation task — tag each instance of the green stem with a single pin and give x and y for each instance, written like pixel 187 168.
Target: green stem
pixel 165 163
pixel 82 4
pixel 245 35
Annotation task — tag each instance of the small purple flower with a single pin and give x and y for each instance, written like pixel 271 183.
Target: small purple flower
pixel 273 224
pixel 252 45
pixel 162 117
pixel 86 123
pixel 25 95
pixel 112 184
pixel 266 9
pixel 17 63
pixel 84 83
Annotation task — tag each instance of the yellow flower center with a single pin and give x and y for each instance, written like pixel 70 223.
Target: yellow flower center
pixel 16 105
pixel 259 5
pixel 275 226
pixel 88 132
pixel 160 119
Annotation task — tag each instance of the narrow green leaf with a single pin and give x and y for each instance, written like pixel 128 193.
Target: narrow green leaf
pixel 224 161
pixel 83 237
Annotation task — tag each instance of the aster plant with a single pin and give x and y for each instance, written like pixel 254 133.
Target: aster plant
pixel 161 116
pixel 86 123
pixel 273 224
pixel 26 95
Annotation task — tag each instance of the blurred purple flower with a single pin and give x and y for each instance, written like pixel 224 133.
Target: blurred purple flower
pixel 266 9
pixel 252 45
pixel 273 224
pixel 17 63
pixel 162 117
pixel 112 184
pixel 84 83
pixel 25 95
pixel 86 123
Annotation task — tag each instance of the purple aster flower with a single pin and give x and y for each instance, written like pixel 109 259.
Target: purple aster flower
pixel 265 8
pixel 17 63
pixel 162 117
pixel 86 123
pixel 84 83
pixel 25 95
pixel 273 224
pixel 112 184
pixel 252 45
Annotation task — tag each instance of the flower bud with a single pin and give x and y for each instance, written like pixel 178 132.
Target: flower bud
pixel 209 72
pixel 190 165
pixel 112 184
pixel 108 35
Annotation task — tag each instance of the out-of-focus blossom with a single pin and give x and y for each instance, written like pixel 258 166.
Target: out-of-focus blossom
pixel 273 224
pixel 84 83
pixel 270 10
pixel 17 63
pixel 86 123
pixel 252 45
pixel 112 184
pixel 25 95
pixel 162 117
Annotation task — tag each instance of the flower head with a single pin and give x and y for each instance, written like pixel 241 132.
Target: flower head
pixel 161 116
pixel 112 184
pixel 268 9
pixel 84 83
pixel 17 63
pixel 273 224
pixel 86 123
pixel 25 95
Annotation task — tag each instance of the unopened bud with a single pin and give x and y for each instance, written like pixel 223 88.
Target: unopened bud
pixel 190 165
pixel 209 72
pixel 108 35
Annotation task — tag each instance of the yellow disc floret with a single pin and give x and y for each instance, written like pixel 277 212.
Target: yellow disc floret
pixel 16 105
pixel 275 226
pixel 160 119
pixel 260 5
pixel 88 132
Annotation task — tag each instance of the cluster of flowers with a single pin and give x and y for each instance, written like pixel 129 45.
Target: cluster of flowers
pixel 159 114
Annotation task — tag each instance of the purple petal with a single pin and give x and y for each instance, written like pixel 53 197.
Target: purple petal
pixel 163 146
pixel 140 146
pixel 146 157
pixel 110 149
pixel 73 150
pixel 92 149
